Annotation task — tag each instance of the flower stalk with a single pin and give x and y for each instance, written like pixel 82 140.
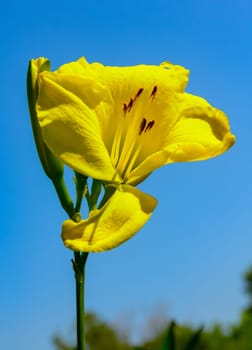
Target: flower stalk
pixel 79 263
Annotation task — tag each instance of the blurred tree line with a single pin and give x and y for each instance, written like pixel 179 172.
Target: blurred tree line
pixel 102 336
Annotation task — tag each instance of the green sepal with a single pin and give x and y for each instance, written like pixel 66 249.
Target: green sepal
pixel 96 190
pixel 92 197
pixel 108 192
pixel 81 189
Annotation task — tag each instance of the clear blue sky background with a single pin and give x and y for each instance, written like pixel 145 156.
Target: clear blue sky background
pixel 191 255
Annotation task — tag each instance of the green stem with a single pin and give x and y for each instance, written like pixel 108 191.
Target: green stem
pixel 79 263
pixel 81 187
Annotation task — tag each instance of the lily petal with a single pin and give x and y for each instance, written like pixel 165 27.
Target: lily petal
pixel 71 129
pixel 199 132
pixel 80 82
pixel 117 221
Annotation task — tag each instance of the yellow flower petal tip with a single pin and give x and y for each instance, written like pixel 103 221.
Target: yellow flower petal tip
pixel 117 221
pixel 118 124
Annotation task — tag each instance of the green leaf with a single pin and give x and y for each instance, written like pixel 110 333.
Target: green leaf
pixel 169 341
pixel 194 340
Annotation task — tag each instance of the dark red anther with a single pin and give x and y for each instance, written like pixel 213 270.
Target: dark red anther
pixel 138 93
pixel 142 126
pixel 125 108
pixel 130 105
pixel 149 125
pixel 154 92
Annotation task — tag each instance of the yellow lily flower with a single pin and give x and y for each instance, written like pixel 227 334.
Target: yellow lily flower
pixel 117 125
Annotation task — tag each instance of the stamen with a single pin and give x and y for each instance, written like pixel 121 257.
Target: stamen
pixel 149 125
pixel 125 108
pixel 138 93
pixel 142 126
pixel 154 92
pixel 130 105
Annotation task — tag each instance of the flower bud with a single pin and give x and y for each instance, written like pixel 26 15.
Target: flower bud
pixel 52 165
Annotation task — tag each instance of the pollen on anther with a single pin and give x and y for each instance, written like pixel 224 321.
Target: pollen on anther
pixel 125 107
pixel 130 105
pixel 138 93
pixel 142 126
pixel 154 92
pixel 149 125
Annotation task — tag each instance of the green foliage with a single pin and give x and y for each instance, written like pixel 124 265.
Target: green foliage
pixel 176 338
pixel 248 287
pixel 169 342
pixel 101 336
pixel 248 281
pixel 60 345
pixel 194 341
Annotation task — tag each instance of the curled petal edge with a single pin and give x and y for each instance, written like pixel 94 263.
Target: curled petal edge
pixel 201 132
pixel 117 221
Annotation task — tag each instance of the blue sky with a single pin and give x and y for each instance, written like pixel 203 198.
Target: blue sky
pixel 191 255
